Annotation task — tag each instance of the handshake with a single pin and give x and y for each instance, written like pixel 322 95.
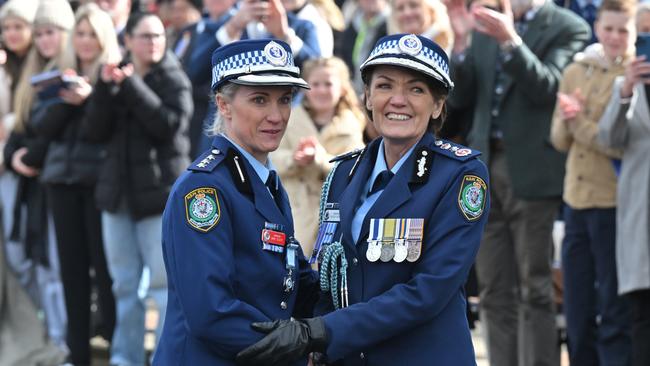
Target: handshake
pixel 286 341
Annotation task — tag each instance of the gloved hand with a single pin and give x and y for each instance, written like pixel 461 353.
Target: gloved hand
pixel 287 341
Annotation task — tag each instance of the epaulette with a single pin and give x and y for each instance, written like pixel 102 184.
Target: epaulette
pixel 348 155
pixel 207 161
pixel 454 151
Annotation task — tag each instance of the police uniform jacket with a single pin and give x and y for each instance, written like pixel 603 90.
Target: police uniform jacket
pixel 303 184
pixel 408 313
pixel 220 278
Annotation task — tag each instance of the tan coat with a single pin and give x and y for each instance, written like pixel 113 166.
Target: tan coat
pixel 303 184
pixel 590 180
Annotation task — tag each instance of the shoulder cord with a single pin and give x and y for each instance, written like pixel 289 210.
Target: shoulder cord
pixel 333 253
pixel 329 273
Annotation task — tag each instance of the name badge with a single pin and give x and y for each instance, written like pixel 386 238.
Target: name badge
pixel 273 238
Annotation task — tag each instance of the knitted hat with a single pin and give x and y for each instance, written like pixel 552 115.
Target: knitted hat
pixel 55 12
pixel 23 9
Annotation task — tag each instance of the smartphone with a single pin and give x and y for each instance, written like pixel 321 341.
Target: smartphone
pixel 48 84
pixel 643 45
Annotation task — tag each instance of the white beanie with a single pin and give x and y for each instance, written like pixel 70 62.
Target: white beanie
pixel 23 9
pixel 55 12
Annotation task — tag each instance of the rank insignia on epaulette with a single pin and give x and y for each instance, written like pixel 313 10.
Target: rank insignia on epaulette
pixel 202 209
pixel 472 197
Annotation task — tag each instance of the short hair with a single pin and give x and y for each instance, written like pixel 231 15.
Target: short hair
pixel 620 6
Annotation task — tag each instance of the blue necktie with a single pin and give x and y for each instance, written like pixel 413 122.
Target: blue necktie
pixel 381 182
pixel 272 184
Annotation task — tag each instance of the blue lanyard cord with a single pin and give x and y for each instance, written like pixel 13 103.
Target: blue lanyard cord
pixel 325 192
pixel 329 273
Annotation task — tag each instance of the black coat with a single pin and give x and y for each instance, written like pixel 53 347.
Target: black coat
pixel 143 123
pixel 30 195
pixel 70 158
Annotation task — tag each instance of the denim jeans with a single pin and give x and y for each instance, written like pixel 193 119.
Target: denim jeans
pixel 598 320
pixel 131 245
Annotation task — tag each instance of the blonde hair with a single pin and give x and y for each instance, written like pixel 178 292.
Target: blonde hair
pixel 349 100
pixel 331 13
pixel 439 20
pixel 35 63
pixel 104 30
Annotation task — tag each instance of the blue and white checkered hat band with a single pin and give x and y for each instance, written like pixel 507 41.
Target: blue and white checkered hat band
pixel 414 52
pixel 426 55
pixel 249 62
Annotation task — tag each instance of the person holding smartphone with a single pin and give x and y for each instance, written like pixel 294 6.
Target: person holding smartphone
pixel 624 126
pixel 509 70
pixel 588 249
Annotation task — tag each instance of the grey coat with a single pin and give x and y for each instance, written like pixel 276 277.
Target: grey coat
pixel 627 127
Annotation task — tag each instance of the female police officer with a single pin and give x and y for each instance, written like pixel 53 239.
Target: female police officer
pixel 226 235
pixel 401 225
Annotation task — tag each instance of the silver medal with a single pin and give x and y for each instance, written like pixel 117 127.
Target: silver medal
pixel 401 250
pixel 414 250
pixel 373 252
pixel 387 251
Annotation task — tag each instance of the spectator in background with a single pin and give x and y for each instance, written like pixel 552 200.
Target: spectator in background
pixel 329 122
pixel 368 24
pixel 70 173
pixel 586 9
pixel 184 13
pixel 254 19
pixel 119 11
pixel 510 72
pixel 304 9
pixel 194 49
pixel 625 125
pixel 31 228
pixel 333 16
pixel 643 18
pixel 597 318
pixel 425 17
pixel 142 112
pixel 21 330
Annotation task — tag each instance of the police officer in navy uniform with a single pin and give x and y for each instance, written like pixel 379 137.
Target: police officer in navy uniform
pixel 227 226
pixel 401 225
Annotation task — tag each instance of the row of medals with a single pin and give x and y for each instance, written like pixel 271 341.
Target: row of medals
pixel 397 240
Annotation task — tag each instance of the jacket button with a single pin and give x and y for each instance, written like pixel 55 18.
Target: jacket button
pixel 362 356
pixel 283 305
pixel 216 152
pixel 355 261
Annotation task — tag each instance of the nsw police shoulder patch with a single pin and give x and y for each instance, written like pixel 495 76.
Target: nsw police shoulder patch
pixel 472 197
pixel 202 209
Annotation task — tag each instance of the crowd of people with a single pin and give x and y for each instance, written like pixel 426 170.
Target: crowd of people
pixel 104 104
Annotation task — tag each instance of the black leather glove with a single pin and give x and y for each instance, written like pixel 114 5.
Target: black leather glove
pixel 287 341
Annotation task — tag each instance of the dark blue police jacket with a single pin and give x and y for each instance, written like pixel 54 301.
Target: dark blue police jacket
pixel 409 313
pixel 220 278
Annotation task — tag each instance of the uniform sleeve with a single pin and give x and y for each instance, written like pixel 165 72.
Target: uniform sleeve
pixel 450 245
pixel 200 266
